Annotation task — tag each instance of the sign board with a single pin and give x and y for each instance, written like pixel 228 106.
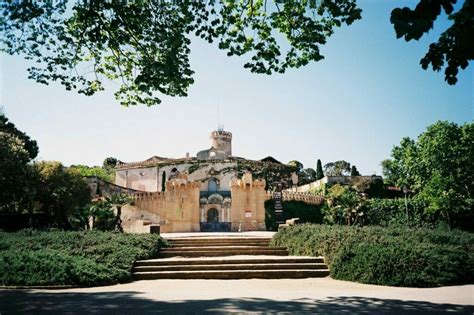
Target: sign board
pixel 248 214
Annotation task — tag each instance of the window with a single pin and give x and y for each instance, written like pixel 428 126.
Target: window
pixel 212 185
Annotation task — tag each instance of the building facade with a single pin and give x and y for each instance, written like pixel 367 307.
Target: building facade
pixel 208 192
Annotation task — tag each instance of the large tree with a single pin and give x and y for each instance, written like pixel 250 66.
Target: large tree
pixel 60 191
pixel 308 175
pixel 16 151
pixel 297 164
pixel 438 166
pixel 337 168
pixel 145 45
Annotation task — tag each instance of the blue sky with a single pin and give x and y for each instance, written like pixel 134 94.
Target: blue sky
pixel 355 105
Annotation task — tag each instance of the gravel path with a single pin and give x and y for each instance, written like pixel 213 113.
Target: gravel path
pixel 318 295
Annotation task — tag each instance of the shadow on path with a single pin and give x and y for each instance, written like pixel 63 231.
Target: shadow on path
pixel 27 301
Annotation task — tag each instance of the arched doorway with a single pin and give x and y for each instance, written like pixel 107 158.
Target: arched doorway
pixel 212 215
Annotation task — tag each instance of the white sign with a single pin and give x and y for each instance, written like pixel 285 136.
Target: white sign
pixel 248 214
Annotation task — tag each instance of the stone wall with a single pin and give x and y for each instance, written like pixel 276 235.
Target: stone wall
pixel 136 220
pixel 222 171
pixel 342 180
pixel 150 178
pixel 176 210
pixel 144 179
pixel 316 185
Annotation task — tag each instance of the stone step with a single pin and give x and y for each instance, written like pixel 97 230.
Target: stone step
pixel 175 252
pixel 248 266
pixel 231 260
pixel 217 239
pixel 265 241
pixel 227 258
pixel 176 245
pixel 219 248
pixel 234 241
pixel 233 274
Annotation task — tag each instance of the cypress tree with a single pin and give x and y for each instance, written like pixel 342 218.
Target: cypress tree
pixel 163 181
pixel 319 170
pixel 354 171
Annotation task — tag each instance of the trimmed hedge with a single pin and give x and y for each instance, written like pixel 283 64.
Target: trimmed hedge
pixel 86 258
pixel 386 256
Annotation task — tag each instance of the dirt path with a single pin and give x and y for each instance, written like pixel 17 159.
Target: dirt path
pixel 319 295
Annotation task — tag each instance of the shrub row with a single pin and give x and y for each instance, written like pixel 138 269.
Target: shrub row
pixel 386 256
pixel 72 258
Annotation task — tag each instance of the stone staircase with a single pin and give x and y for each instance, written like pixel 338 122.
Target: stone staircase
pixel 227 257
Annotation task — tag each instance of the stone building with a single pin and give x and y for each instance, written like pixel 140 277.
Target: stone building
pixel 213 191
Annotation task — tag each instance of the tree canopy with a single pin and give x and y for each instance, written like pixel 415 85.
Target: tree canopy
pixel 46 187
pixel 297 164
pixel 455 45
pixel 60 191
pixel 438 166
pixel 106 173
pixel 337 168
pixel 145 45
pixel 17 150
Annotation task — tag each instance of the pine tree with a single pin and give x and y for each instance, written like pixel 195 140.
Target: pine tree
pixel 319 170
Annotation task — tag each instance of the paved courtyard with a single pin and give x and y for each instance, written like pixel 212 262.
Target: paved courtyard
pixel 318 295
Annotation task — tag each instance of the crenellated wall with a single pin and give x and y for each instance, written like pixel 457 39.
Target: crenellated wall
pixel 179 208
pixel 176 210
pixel 297 196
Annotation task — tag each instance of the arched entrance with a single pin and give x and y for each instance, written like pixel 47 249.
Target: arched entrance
pixel 212 215
pixel 215 218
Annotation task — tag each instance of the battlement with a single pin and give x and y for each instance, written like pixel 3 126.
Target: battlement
pixel 221 134
pixel 222 141
pixel 147 195
pixel 298 196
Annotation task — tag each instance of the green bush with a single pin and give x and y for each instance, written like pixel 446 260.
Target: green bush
pixel 292 209
pixel 387 212
pixel 72 258
pixel 386 256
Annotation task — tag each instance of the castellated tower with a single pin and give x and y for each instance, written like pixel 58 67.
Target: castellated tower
pixel 222 140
